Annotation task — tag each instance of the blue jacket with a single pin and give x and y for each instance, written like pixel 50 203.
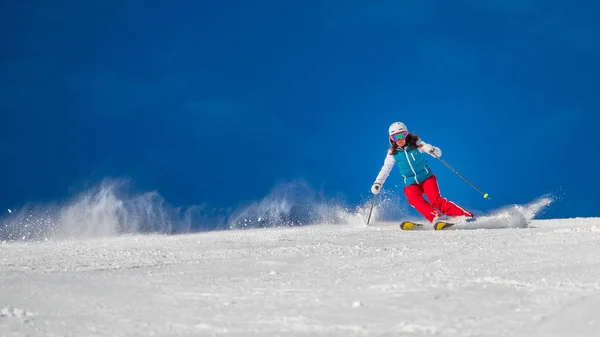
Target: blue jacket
pixel 412 165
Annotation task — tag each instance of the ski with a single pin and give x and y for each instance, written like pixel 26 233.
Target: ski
pixel 439 225
pixel 408 225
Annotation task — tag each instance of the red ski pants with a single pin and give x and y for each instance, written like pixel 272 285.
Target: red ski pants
pixel 430 187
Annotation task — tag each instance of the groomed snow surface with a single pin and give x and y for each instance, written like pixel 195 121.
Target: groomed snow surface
pixel 319 280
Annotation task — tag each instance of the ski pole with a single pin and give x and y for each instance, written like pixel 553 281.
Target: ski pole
pixel 485 195
pixel 372 204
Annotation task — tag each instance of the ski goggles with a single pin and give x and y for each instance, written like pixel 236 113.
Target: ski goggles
pixel 398 136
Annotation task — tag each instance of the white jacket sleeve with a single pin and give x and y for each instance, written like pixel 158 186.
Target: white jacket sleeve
pixel 388 164
pixel 424 146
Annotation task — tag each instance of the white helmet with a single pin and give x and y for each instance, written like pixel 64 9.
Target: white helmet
pixel 397 127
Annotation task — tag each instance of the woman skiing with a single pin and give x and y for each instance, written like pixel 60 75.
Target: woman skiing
pixel 407 151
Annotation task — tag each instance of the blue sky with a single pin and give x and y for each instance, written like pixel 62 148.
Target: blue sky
pixel 213 102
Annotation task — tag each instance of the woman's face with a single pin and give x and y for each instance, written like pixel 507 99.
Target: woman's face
pixel 399 138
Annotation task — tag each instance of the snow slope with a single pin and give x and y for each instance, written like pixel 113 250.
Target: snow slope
pixel 320 280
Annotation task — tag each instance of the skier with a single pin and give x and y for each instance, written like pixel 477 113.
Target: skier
pixel 407 151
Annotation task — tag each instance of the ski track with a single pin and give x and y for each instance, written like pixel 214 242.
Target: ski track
pixel 321 280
